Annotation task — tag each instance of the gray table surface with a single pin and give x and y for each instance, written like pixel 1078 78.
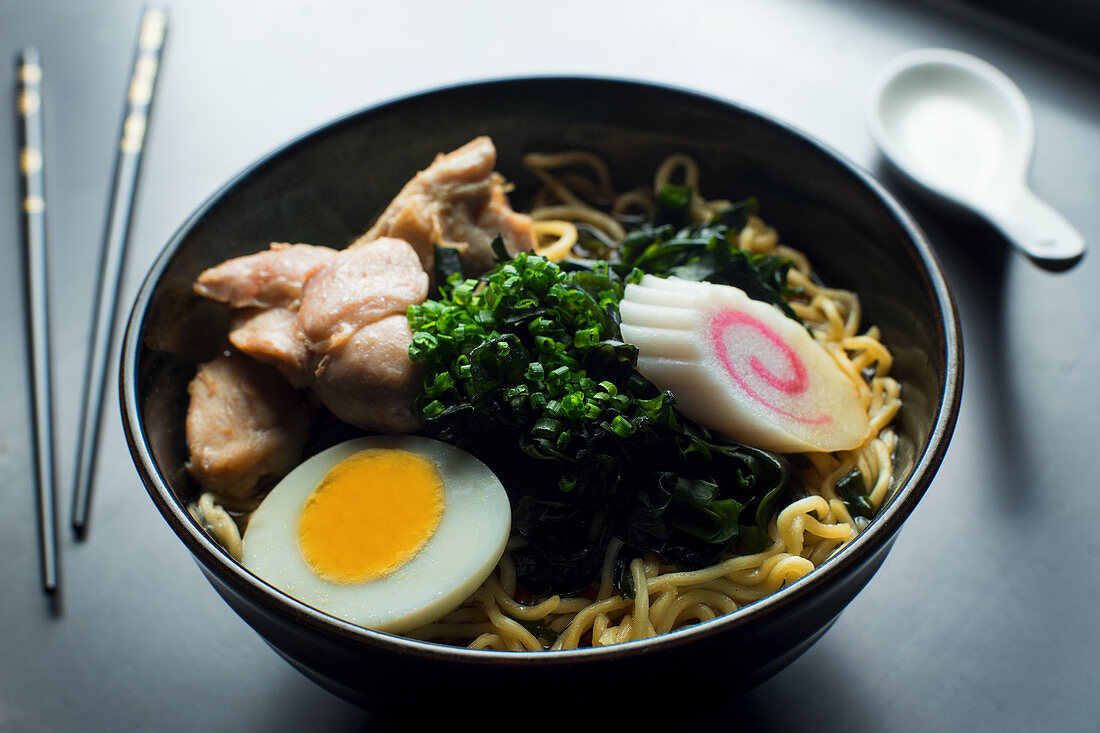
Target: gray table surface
pixel 984 617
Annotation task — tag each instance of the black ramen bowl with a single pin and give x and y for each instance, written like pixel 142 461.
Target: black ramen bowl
pixel 328 186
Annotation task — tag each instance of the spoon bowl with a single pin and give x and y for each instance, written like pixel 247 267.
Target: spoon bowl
pixel 957 127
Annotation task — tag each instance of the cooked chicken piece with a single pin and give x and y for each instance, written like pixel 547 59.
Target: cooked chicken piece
pixel 272 336
pixel 517 230
pixel 369 380
pixel 353 319
pixel 302 308
pixel 244 424
pixel 458 201
pixel 264 289
pixel 335 321
pixel 357 287
pixel 266 279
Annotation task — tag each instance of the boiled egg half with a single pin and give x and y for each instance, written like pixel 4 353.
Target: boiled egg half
pixel 387 532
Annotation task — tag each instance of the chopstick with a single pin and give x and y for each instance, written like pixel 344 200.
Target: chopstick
pixel 29 109
pixel 139 98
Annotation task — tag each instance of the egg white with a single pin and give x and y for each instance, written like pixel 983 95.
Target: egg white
pixel 454 561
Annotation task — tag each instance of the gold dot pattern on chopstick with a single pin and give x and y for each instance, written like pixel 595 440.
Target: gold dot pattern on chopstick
pixel 133 131
pixel 29 102
pixel 30 73
pixel 151 36
pixel 34 204
pixel 30 161
pixel 141 85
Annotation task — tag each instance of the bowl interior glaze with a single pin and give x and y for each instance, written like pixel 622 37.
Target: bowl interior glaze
pixel 328 186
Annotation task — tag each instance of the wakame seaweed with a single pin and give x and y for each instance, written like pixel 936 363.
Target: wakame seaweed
pixel 668 245
pixel 526 369
pixel 853 491
pixel 447 262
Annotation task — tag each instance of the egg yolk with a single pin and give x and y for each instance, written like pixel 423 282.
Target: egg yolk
pixel 371 513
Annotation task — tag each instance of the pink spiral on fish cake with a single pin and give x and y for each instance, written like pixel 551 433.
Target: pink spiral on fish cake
pixel 793 385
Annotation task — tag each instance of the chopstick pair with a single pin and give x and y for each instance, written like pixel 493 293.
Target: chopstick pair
pixel 139 97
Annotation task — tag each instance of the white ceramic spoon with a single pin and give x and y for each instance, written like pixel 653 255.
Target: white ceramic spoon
pixel 958 127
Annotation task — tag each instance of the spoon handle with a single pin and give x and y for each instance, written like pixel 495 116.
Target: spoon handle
pixel 1037 228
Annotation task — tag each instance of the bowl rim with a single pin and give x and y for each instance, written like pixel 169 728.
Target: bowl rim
pixel 213 559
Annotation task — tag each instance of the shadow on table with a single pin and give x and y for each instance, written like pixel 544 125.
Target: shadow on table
pixel 327 712
pixel 823 690
pixel 789 701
